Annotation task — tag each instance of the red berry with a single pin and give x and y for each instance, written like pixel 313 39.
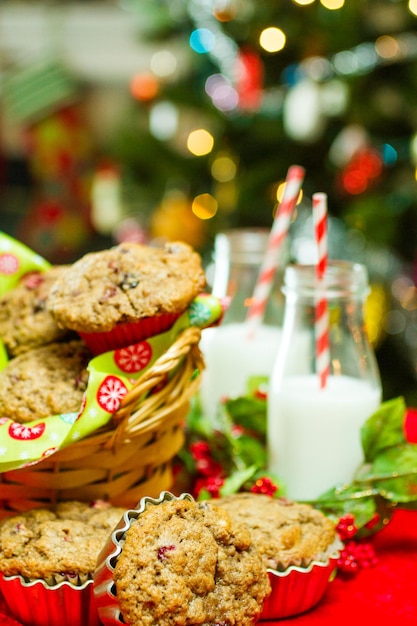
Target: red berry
pixel 264 485
pixel 346 528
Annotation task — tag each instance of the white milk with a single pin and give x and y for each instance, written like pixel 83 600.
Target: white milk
pixel 232 355
pixel 314 434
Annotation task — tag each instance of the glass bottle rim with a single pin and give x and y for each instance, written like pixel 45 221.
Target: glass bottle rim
pixel 341 279
pixel 242 245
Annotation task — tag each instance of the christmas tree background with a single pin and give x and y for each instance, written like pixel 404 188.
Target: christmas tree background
pixel 333 89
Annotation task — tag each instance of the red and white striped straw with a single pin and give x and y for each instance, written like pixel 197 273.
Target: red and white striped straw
pixel 321 307
pixel 279 230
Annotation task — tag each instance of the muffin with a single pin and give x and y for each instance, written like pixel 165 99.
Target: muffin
pixel 122 295
pixel 25 322
pixel 45 381
pixel 175 561
pixel 47 558
pixel 298 544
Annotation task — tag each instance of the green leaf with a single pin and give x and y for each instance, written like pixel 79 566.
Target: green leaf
pixel 394 473
pixel 384 428
pixel 248 451
pixel 256 383
pixel 250 413
pixel 351 499
pixel 204 495
pixel 234 482
pixel 187 459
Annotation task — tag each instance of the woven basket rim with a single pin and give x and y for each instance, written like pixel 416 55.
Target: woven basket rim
pixel 151 414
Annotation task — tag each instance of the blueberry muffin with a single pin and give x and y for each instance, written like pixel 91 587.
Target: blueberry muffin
pixel 183 562
pixel 45 381
pixel 127 293
pixel 25 322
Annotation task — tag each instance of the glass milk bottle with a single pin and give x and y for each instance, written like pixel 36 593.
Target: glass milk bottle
pixel 313 431
pixel 233 354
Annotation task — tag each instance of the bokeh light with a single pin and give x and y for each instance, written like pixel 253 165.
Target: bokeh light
pixel 163 120
pixel 223 169
pixel 204 206
pixel 412 6
pixel 222 93
pixel 389 154
pixel 200 142
pixel 202 40
pixel 387 47
pixel 280 193
pixel 144 87
pixel 272 39
pixel 332 5
pixel 163 63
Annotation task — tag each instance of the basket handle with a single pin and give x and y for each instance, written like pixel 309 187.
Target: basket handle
pixel 156 374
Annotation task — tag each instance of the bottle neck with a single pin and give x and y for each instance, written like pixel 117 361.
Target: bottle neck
pixel 342 280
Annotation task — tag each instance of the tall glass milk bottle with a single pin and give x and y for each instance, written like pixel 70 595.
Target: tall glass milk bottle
pixel 313 432
pixel 233 355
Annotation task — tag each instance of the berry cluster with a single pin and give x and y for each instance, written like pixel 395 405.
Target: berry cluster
pixel 210 475
pixel 356 554
pixel 264 485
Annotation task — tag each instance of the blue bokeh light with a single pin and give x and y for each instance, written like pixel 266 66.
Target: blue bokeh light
pixel 202 40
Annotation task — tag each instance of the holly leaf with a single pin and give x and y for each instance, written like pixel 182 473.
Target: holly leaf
pixel 248 451
pixel 350 499
pixel 248 412
pixel 236 480
pixel 384 428
pixel 394 473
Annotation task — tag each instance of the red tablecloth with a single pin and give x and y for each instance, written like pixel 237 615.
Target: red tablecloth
pixel 385 595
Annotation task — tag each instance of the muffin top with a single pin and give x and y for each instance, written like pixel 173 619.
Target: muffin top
pixel 125 284
pixel 57 543
pixel 44 381
pixel 25 322
pixel 183 562
pixel 284 532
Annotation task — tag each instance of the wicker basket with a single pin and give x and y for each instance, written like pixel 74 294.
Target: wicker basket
pixel 131 457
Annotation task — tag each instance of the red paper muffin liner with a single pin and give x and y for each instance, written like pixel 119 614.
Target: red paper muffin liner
pixel 39 604
pixel 128 333
pixel 297 589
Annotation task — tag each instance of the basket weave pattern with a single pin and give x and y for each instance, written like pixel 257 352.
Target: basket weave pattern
pixel 129 458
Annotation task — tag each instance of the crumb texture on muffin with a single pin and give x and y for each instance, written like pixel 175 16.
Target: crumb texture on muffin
pixel 25 321
pixel 126 283
pixel 284 532
pixel 44 381
pixel 56 543
pixel 185 563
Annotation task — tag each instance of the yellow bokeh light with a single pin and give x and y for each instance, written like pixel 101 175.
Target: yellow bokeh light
pixel 272 39
pixel 223 169
pixel 386 47
pixel 280 193
pixel 200 142
pixel 204 206
pixel 412 6
pixel 303 2
pixel 332 5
